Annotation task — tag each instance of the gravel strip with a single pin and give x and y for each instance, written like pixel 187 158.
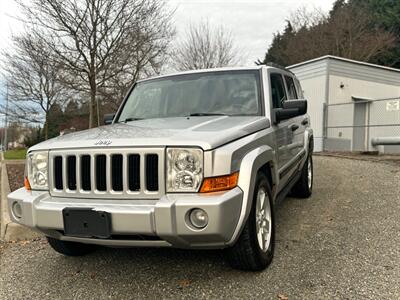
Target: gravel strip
pixel 343 242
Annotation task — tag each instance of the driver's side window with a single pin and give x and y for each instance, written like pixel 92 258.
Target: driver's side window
pixel 277 90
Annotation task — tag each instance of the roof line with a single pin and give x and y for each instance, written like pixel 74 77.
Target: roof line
pixel 345 60
pixel 198 71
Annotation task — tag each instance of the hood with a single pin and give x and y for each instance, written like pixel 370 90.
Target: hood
pixel 206 132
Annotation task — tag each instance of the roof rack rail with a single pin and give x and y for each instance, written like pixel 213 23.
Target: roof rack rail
pixel 275 65
pixel 278 66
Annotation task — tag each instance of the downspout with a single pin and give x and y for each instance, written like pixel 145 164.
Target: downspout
pixel 326 105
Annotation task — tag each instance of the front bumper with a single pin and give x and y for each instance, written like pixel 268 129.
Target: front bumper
pixel 161 222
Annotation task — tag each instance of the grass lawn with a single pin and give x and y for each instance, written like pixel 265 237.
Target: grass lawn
pixel 15 154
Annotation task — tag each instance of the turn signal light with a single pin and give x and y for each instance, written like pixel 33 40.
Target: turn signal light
pixel 220 183
pixel 27 184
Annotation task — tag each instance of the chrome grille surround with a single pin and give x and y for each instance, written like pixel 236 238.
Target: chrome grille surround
pixel 109 193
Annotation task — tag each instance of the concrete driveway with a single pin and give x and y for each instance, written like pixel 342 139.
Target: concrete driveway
pixel 343 242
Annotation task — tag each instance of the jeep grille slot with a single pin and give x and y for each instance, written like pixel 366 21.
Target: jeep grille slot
pixel 116 172
pixel 71 171
pixel 85 173
pixel 152 172
pixel 58 180
pixel 134 172
pixel 101 170
pixel 107 173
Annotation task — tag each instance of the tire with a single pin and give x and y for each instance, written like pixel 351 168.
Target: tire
pixel 247 253
pixel 70 248
pixel 303 187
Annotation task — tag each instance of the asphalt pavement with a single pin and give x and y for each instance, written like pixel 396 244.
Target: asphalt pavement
pixel 343 242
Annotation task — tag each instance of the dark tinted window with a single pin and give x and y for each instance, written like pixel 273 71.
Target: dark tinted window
pixel 277 90
pixel 291 88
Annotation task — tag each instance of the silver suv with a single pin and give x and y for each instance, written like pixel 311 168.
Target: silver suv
pixel 191 160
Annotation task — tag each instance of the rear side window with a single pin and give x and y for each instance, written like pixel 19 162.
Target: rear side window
pixel 291 88
pixel 299 90
pixel 277 90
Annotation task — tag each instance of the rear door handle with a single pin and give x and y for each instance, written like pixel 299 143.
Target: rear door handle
pixel 304 122
pixel 294 127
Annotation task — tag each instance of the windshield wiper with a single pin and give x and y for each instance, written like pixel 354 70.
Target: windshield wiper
pixel 202 114
pixel 129 120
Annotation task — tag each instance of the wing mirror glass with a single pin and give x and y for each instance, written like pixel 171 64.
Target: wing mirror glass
pixel 290 109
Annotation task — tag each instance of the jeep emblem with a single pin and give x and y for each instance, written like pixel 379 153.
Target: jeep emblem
pixel 103 143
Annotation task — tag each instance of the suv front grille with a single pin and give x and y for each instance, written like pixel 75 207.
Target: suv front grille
pixel 107 173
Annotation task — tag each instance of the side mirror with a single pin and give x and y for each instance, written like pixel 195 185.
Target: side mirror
pixel 291 109
pixel 108 118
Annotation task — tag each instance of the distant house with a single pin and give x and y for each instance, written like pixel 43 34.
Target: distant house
pixel 17 135
pixel 351 103
pixel 75 123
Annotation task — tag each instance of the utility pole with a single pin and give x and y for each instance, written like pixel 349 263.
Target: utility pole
pixel 6 122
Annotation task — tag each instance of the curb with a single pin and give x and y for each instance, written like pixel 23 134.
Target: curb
pixel 10 231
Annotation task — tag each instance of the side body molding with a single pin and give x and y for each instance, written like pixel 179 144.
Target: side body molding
pixel 249 167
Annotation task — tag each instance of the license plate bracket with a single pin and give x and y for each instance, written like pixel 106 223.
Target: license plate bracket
pixel 86 222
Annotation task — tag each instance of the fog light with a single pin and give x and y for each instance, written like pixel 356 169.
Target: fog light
pixel 198 218
pixel 17 210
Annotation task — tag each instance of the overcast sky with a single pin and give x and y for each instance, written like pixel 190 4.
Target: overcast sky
pixel 252 22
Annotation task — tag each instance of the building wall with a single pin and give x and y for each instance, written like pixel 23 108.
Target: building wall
pixel 369 84
pixel 313 81
pixel 338 83
pixel 355 87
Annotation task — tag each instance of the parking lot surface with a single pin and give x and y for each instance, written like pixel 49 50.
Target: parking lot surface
pixel 343 242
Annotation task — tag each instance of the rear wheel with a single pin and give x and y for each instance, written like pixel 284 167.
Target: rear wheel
pixel 255 247
pixel 303 187
pixel 70 248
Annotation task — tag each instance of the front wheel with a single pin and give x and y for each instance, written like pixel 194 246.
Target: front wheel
pixel 254 249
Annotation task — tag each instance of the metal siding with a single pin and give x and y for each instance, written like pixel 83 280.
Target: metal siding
pixel 358 88
pixel 364 73
pixel 313 78
pixel 326 74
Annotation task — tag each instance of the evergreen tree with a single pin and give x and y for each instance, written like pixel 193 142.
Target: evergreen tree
pixel 365 30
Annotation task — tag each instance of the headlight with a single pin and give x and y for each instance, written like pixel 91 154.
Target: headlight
pixel 37 165
pixel 185 169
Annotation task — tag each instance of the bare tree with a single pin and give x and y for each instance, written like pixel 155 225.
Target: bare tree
pixel 33 81
pixel 98 41
pixel 205 47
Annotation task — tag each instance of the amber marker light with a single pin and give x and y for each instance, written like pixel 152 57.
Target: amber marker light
pixel 219 183
pixel 27 184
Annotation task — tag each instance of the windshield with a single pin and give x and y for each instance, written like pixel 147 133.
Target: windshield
pixel 233 93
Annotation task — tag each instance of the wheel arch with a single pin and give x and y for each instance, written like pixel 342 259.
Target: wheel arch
pixel 261 159
pixel 309 140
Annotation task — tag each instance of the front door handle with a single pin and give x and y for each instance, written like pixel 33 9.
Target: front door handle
pixel 294 127
pixel 304 122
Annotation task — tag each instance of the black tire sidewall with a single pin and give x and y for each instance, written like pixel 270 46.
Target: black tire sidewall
pixel 267 256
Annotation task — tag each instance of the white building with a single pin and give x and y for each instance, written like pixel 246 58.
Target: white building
pixel 351 103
